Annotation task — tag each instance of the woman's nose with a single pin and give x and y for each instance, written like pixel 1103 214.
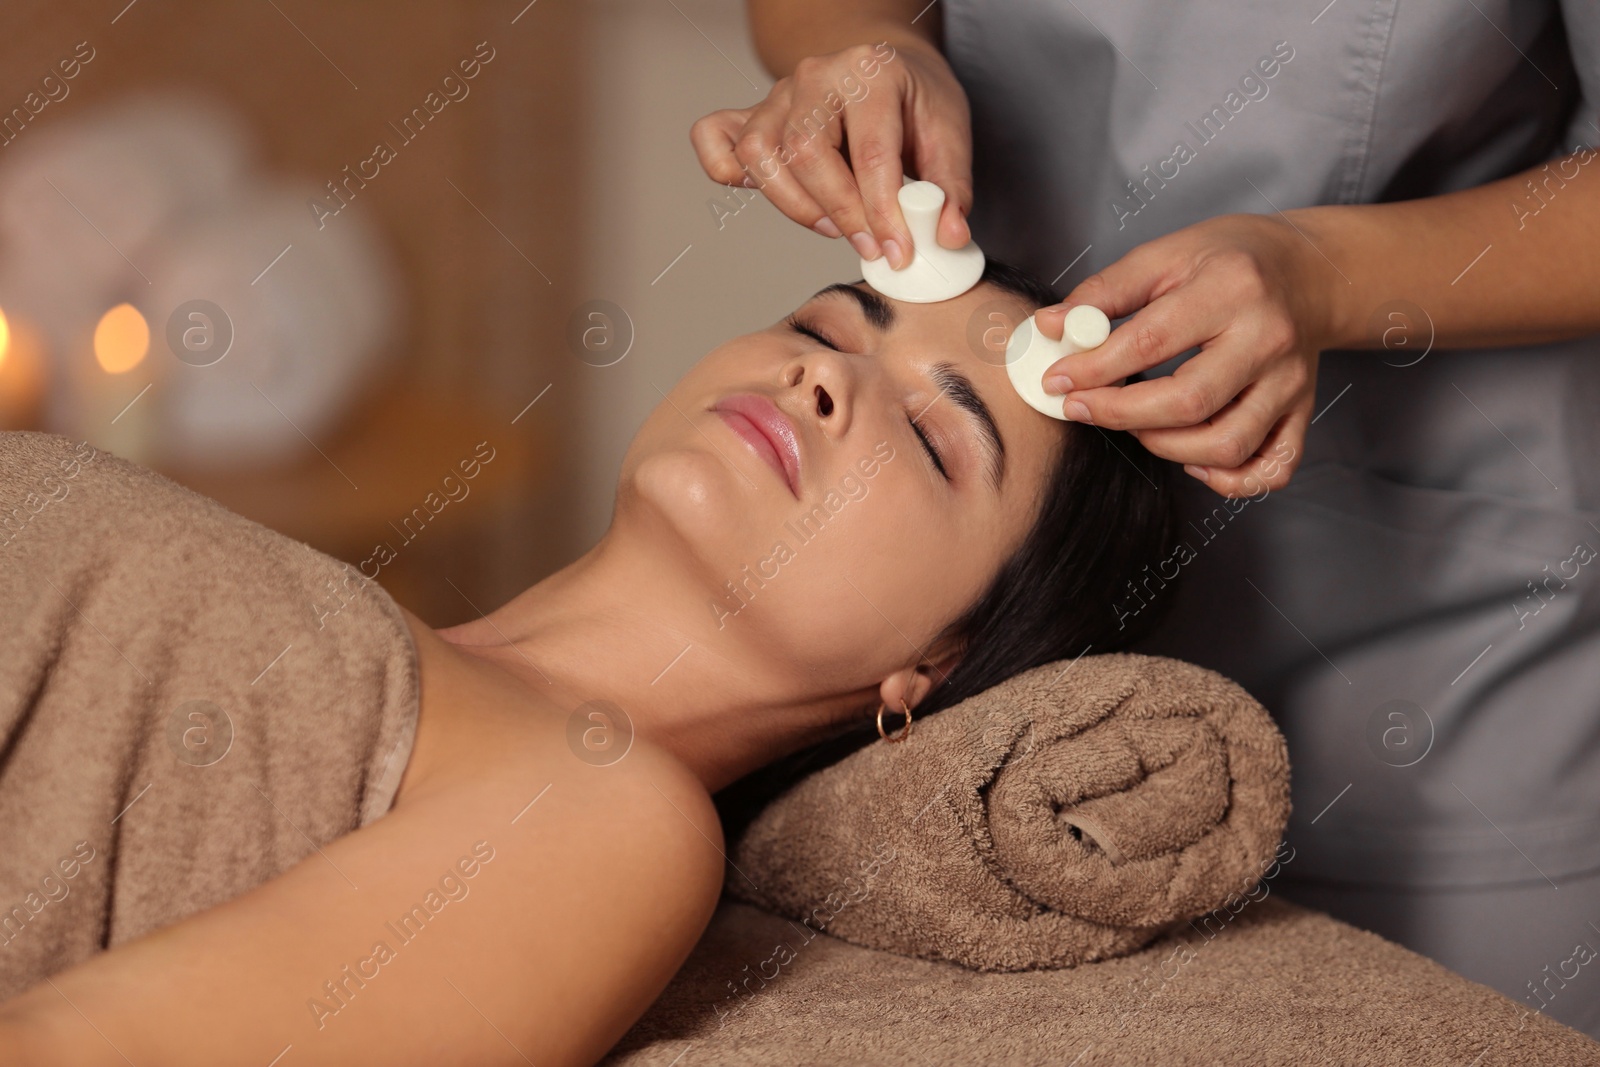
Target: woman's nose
pixel 825 382
pixel 824 401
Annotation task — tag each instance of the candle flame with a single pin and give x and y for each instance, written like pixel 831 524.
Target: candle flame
pixel 121 339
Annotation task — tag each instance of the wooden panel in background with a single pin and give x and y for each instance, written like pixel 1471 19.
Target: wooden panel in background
pixel 483 210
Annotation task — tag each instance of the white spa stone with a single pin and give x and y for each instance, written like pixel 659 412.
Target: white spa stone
pixel 1029 353
pixel 935 273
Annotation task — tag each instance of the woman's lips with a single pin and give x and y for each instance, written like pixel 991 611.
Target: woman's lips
pixel 765 429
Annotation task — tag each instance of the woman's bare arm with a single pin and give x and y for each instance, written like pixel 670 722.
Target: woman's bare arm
pixel 578 909
pixel 786 31
pixel 1512 261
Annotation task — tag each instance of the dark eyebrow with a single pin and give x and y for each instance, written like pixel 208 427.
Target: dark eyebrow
pixel 878 311
pixel 880 314
pixel 965 397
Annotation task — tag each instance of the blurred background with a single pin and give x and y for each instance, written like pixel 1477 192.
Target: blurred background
pixel 318 261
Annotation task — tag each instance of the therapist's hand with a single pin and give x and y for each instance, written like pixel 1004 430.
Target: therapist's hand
pixel 885 104
pixel 1251 291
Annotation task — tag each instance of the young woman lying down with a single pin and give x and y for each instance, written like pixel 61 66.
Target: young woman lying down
pixel 828 526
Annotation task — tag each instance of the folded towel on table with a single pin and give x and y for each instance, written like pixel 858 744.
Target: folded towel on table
pixel 1275 984
pixel 1061 817
pixel 1071 813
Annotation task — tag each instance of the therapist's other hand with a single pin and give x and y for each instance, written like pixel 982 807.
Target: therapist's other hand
pixel 1252 293
pixel 886 104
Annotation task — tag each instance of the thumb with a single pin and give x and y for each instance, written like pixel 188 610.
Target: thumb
pixel 943 155
pixel 1118 290
pixel 714 137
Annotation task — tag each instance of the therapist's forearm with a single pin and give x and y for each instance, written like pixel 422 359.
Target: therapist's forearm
pixel 786 31
pixel 1491 265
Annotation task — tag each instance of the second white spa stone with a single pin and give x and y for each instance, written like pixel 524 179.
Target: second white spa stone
pixel 1029 353
pixel 935 273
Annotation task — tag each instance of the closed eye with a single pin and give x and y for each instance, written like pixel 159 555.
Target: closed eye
pixel 927 447
pixel 801 327
pixel 812 332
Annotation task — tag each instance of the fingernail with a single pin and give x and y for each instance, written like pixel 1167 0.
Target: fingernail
pixel 1199 472
pixel 1077 412
pixel 827 227
pixel 749 183
pixel 1059 384
pixel 891 248
pixel 864 245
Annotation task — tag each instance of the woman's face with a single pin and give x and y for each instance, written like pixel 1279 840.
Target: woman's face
pixel 844 490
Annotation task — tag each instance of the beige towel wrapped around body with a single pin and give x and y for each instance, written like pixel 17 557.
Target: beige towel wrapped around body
pixel 190 703
pixel 1071 813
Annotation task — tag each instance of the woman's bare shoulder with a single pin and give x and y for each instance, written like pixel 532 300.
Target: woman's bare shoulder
pixel 469 723
pixel 565 896
pixel 628 848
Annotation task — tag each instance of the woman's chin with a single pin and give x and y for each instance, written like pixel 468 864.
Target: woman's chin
pixel 710 504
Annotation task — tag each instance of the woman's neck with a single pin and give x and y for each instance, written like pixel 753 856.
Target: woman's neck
pixel 622 627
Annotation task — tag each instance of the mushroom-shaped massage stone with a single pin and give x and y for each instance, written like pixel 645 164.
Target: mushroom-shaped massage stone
pixel 1029 353
pixel 935 273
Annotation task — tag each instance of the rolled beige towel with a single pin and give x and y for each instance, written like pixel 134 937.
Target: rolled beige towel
pixel 1069 814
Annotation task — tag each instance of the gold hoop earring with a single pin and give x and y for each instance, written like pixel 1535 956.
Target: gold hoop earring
pixel 903 734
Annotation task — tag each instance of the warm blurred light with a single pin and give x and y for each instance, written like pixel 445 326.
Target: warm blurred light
pixel 121 339
pixel 22 374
